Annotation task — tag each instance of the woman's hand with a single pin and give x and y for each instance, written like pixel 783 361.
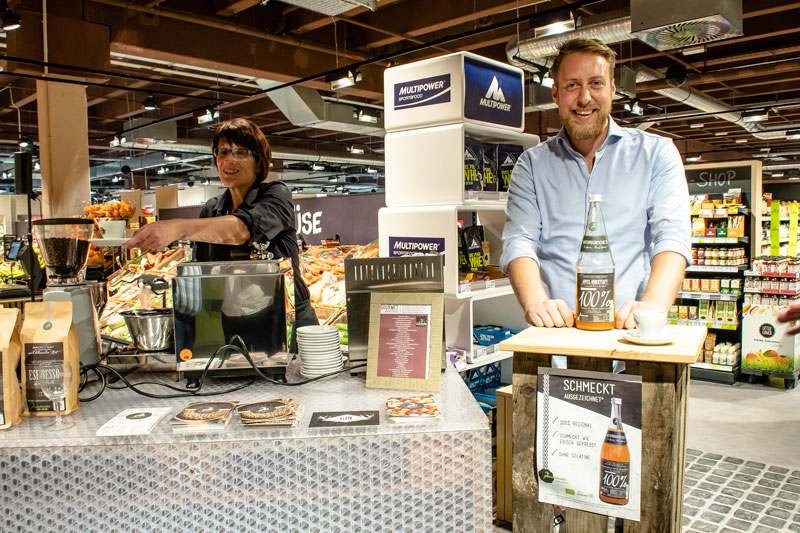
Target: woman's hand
pixel 157 235
pixel 790 313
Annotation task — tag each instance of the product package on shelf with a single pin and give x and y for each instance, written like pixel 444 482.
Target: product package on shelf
pixel 507 155
pixel 12 369
pixel 766 347
pixel 473 166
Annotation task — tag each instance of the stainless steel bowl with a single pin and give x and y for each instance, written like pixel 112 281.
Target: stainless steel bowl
pixel 152 330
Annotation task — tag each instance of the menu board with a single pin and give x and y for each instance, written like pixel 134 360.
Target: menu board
pixel 589 441
pixel 404 350
pixel 406 333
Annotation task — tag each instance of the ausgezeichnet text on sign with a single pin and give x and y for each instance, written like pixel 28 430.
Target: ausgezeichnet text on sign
pixel 589 441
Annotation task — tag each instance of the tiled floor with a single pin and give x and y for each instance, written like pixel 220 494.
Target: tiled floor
pixel 731 495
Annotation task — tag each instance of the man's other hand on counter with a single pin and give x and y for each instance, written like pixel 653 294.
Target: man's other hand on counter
pixel 624 318
pixel 550 314
pixel 790 313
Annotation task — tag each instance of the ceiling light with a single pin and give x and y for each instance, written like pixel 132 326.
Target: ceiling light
pixel 123 140
pixel 633 107
pixel 171 157
pixel 150 103
pixel 794 178
pixel 37 166
pixel 333 178
pixel 370 117
pixel 317 166
pixel 547 81
pixel 339 188
pixel 777 174
pixel 162 170
pixel 205 181
pixel 741 141
pixel 207 116
pixel 355 149
pixel 343 79
pixel 793 135
pixel 24 143
pixel 693 158
pixel 696 125
pixel 720 134
pixel 694 50
pixel 555 28
pixel 371 170
pixel 755 115
pixel 5 175
pixel 114 142
pixel 11 20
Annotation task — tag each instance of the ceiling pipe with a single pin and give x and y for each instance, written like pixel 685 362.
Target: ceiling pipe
pixel 527 51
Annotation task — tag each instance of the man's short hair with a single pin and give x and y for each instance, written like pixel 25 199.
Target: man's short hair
pixel 586 46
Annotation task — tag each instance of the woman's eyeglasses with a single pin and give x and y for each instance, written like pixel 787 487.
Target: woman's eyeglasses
pixel 237 153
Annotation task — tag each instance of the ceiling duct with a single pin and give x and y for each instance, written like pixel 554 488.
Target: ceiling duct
pixel 160 132
pixel 305 107
pixel 668 25
pixel 332 7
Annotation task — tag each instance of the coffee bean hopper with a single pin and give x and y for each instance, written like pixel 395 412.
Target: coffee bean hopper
pixel 64 245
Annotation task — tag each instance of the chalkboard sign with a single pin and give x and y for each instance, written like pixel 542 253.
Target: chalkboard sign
pixel 718 180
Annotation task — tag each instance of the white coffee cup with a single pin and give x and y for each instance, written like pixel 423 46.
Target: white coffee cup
pixel 650 322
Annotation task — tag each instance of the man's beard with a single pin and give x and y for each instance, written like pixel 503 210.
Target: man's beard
pixel 584 132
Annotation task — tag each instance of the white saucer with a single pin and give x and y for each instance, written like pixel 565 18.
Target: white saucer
pixel 635 337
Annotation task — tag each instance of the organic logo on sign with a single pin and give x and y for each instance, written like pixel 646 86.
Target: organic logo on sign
pixel 495 99
pixel 766 330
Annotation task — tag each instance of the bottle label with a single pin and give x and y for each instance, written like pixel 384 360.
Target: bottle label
pixel 594 244
pixel 616 437
pixel 596 297
pixel 614 479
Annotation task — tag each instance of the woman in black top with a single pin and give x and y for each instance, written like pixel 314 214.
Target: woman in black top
pixel 250 211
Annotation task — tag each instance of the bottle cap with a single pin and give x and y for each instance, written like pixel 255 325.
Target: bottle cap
pixel 595 197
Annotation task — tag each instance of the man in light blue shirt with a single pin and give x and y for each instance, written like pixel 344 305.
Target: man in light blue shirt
pixel 645 200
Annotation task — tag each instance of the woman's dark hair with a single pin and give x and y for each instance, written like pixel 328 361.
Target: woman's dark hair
pixel 241 132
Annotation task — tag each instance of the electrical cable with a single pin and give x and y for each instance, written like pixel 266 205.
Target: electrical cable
pixel 101 371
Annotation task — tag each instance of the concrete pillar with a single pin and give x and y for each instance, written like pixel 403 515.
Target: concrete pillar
pixel 63 148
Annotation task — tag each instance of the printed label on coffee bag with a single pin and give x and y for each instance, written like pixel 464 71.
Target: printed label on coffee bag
pixel 2 387
pixel 35 355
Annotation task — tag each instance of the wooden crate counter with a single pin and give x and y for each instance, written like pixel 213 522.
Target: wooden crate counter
pixel 665 379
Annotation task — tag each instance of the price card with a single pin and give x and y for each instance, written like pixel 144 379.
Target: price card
pixel 793 229
pixel 774 228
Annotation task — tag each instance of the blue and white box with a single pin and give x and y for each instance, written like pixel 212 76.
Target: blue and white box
pixel 459 87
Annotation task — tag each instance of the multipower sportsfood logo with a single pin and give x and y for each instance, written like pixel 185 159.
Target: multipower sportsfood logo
pixel 495 99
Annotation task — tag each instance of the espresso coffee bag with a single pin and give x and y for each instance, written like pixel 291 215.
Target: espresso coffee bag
pixel 12 372
pixel 48 334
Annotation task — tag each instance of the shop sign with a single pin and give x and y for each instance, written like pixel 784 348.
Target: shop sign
pixel 589 441
pixel 353 218
pixel 406 246
pixel 492 94
pixel 718 179
pixel 422 92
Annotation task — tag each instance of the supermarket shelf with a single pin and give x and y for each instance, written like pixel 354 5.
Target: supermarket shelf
pixel 767 219
pixel 720 213
pixel 108 242
pixel 484 205
pixel 787 275
pixel 715 373
pixel 716 269
pixel 772 291
pixel 709 296
pixel 499 355
pixel 710 325
pixel 720 240
pixel 480 291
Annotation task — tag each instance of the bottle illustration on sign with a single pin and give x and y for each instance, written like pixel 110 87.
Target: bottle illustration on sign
pixel 595 283
pixel 615 460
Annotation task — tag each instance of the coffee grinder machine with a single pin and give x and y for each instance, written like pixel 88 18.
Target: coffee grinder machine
pixel 64 245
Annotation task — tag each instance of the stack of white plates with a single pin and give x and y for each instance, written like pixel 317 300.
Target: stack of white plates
pixel 320 351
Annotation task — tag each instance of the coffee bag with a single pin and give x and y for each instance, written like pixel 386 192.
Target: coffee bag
pixel 12 371
pixel 48 334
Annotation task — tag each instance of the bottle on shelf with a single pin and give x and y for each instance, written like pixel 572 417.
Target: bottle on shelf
pixel 615 460
pixel 595 273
